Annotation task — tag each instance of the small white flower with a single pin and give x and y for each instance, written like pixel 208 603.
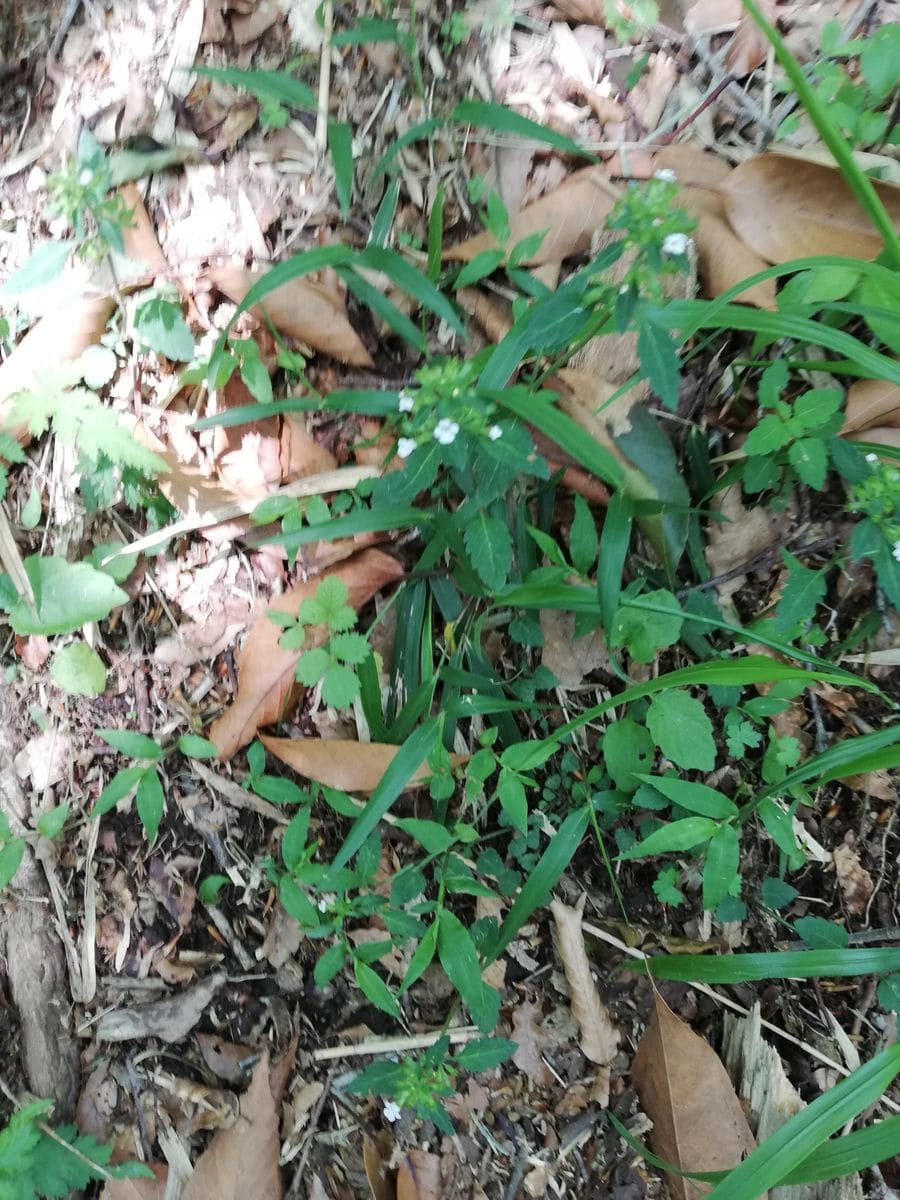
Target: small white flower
pixel 495 432
pixel 86 177
pixel 871 458
pixel 405 447
pixel 897 551
pixel 392 1111
pixel 665 175
pixel 406 401
pixel 445 431
pixel 676 243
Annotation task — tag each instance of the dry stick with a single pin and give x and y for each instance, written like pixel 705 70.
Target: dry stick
pixel 597 932
pixel 324 78
pixel 395 1044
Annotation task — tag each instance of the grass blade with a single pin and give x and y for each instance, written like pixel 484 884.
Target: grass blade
pixel 340 147
pixel 776 964
pixel 265 85
pixel 485 115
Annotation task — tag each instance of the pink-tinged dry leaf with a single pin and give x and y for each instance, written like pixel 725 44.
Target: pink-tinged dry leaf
pixel 301 454
pixel 338 763
pixel 599 1037
pixel 571 215
pixel 139 1189
pixel 749 47
pixel 57 338
pixel 871 402
pixel 708 16
pixel 786 207
pixel 698 1121
pixel 266 680
pixel 243 1161
pixel 302 309
pixel 248 456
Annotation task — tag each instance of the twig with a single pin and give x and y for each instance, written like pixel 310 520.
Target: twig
pixel 324 78
pixel 64 26
pixel 394 1045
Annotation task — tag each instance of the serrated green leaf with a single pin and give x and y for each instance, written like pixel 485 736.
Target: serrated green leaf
pixel 682 730
pixel 644 632
pixel 721 866
pixel 311 666
pixel 659 362
pixel 809 458
pixel 769 435
pixel 351 648
pixel 489 545
pixel 340 686
pixel 802 592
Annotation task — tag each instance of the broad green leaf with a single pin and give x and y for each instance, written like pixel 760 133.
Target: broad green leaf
pixel 293 840
pixel 628 749
pixel 50 824
pixel 150 802
pixel 340 686
pixel 131 744
pixel 525 756
pixel 889 996
pixel 121 785
pixel 328 964
pixel 767 437
pixel 10 858
pixel 459 958
pixel 676 835
pixel 161 326
pixel 489 544
pixel 422 957
pixel 642 633
pixel 513 801
pixel 721 867
pixel 484 1054
pixel 311 666
pixel 210 888
pixel 487 115
pixel 614 545
pixel 682 730
pixel 780 964
pixel 375 989
pixel 297 904
pixel 809 458
pixel 67 596
pixel 584 542
pixel 694 796
pixel 79 670
pixel 340 146
pixel 195 746
pixel 820 934
pixel 659 362
pixel 40 268
pixel 477 268
pixel 432 837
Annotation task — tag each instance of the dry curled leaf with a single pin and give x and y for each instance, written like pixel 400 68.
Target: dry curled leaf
pixel 571 215
pixel 871 402
pixel 599 1037
pixel 785 207
pixel 339 763
pixel 698 1121
pixel 304 310
pixel 749 48
pixel 853 879
pixel 243 1161
pixel 170 1020
pixel 266 680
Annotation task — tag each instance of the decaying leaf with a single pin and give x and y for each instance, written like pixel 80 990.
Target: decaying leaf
pixel 599 1037
pixel 304 310
pixel 376 1156
pixel 749 47
pixel 266 672
pixel 785 207
pixel 853 879
pixel 339 763
pixel 243 1161
pixel 419 1176
pixel 139 1189
pixel 571 216
pixel 568 657
pixel 698 1121
pixel 871 402
pixel 170 1020
pixel 531 1038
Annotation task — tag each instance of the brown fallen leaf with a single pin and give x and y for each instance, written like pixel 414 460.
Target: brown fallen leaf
pixel 243 1161
pixel 59 337
pixel 599 1037
pixel 338 763
pixel 419 1176
pixel 568 657
pixel 706 16
pixel 266 680
pixel 304 310
pixel 749 48
pixel 871 402
pixel 225 1059
pixel 380 1176
pixel 531 1038
pixel 571 215
pixel 139 1189
pixel 139 238
pixel 698 1121
pixel 785 207
pixel 853 879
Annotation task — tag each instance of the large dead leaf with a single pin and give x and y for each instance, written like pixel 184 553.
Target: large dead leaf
pixel 303 309
pixel 871 402
pixel 243 1161
pixel 266 672
pixel 139 1189
pixel 599 1037
pixel 571 215
pixel 339 763
pixel 59 337
pixel 419 1176
pixel 698 1122
pixel 784 207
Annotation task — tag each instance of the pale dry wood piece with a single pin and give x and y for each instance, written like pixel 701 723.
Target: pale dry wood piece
pixel 599 1036
pixel 682 1084
pixel 32 955
pixel 761 1081
pixel 170 1020
pixel 395 1045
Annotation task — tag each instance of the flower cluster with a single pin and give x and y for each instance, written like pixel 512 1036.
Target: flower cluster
pixel 877 496
pixel 445 405
pixel 656 232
